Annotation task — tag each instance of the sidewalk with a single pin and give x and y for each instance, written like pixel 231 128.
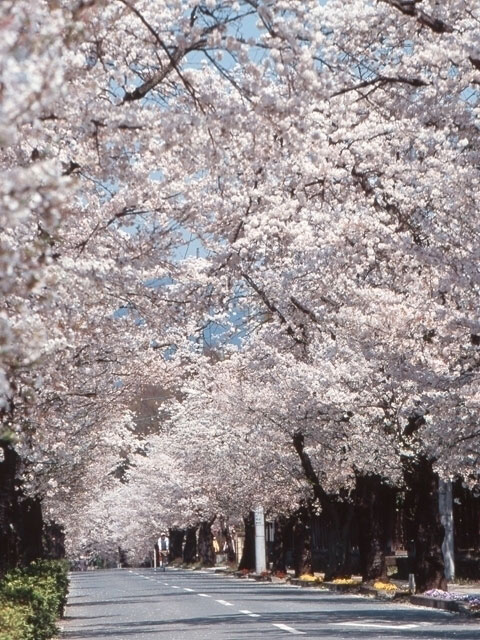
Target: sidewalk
pixel 470 588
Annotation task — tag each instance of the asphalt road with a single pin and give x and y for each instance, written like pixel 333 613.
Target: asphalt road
pixel 140 604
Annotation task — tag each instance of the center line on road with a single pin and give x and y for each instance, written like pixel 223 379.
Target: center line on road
pixel 227 604
pixel 249 613
pixel 204 595
pixel 285 627
pixel 175 587
pixel 188 589
pixel 375 625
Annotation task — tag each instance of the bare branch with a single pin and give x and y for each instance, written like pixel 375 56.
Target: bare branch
pixel 383 80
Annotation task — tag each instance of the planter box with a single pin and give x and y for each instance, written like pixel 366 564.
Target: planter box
pixel 456 606
pixel 305 583
pixel 384 594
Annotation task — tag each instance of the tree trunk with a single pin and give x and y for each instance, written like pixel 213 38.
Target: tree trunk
pixel 30 529
pixel 21 522
pixel 302 557
pixel 373 502
pixel 338 514
pixel 122 557
pixel 176 537
pixel 190 548
pixel 53 541
pixel 206 552
pixel 423 524
pixel 8 508
pixel 279 548
pixel 229 547
pixel 248 556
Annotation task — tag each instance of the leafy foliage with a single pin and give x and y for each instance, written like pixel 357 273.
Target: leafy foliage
pixel 32 599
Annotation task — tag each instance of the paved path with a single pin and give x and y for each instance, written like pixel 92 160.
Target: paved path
pixel 140 604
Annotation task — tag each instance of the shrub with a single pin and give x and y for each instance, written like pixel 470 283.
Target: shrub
pixel 31 600
pixel 58 571
pixel 14 623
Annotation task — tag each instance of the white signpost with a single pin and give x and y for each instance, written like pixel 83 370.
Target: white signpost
pixel 446 515
pixel 260 555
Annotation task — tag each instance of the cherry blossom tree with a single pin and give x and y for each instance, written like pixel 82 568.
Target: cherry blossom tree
pixel 308 183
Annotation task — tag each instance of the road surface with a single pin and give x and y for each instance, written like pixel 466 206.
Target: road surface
pixel 140 604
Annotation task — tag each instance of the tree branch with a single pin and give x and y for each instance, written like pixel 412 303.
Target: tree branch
pixel 272 308
pixel 382 80
pixel 410 8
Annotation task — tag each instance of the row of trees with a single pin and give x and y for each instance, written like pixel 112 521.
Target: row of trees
pixel 293 183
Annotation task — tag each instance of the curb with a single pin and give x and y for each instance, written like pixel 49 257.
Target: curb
pixel 384 594
pixel 339 587
pixel 454 606
pixel 305 583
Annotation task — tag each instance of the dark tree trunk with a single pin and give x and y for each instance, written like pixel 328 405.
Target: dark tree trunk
pixel 247 561
pixel 122 557
pixel 338 515
pixel 302 557
pixel 374 501
pixel 53 541
pixel 190 548
pixel 423 525
pixel 279 548
pixel 8 508
pixel 21 523
pixel 206 552
pixel 30 529
pixel 176 544
pixel 229 547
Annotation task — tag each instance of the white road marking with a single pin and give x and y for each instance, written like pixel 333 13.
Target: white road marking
pixel 376 625
pixel 224 602
pixel 285 627
pixel 204 595
pixel 175 587
pixel 249 613
pixel 187 589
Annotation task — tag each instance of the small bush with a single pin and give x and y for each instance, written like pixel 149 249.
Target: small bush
pixel 32 599
pixel 14 623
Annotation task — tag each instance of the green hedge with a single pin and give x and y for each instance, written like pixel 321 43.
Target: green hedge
pixel 32 599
